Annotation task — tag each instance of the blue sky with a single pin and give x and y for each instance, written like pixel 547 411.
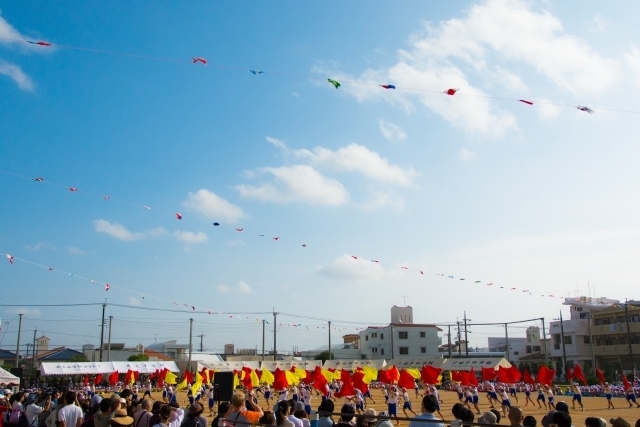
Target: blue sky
pixel 542 198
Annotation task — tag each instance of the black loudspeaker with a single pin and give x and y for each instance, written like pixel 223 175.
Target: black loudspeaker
pixel 223 386
pixel 18 372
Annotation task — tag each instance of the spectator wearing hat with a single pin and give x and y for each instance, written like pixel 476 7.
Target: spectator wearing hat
pixel 194 417
pixel 301 414
pixel 429 406
pixel 121 419
pixel 488 418
pixel 155 413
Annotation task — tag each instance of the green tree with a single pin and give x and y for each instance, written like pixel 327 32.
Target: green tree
pixel 324 355
pixel 79 358
pixel 138 358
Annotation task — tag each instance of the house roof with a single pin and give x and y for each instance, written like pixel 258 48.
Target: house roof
pixel 6 354
pixel 156 354
pixel 59 354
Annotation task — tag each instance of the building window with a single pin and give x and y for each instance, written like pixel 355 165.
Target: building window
pixel 366 337
pixel 423 334
pixel 587 340
pixel 381 336
pixel 568 339
pixel 583 315
pixel 382 351
pixel 403 335
pixel 528 349
pixel 423 349
pixel 537 348
pixel 404 350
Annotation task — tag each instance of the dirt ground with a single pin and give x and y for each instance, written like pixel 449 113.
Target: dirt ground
pixel 593 406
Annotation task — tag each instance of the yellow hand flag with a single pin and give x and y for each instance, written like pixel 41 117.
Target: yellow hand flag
pixel 292 379
pixel 236 381
pixel 182 385
pixel 370 374
pixel 170 378
pixel 255 381
pixel 267 377
pixel 414 373
pixel 197 385
pixel 301 373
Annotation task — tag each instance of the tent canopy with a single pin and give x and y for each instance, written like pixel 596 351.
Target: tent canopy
pixel 416 363
pixel 92 368
pixel 477 363
pixel 8 377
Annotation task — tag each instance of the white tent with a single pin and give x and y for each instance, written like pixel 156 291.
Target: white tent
pixel 477 363
pixel 92 368
pixel 8 377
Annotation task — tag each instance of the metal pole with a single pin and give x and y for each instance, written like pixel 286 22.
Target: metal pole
pixel 104 306
pixel 544 343
pixel 459 339
pixel 449 339
pixel 564 351
pixel 275 351
pixel 201 341
pixel 466 342
pixel 33 356
pixel 109 344
pixel 626 312
pixel 329 339
pixel 18 344
pixel 190 340
pixel 593 356
pixel 263 322
pixel 506 347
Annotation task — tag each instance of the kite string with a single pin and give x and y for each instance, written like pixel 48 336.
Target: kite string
pixel 302 76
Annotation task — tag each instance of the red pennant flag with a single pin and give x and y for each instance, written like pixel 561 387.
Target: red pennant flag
pixel 489 374
pixel 429 374
pixel 504 375
pixel 545 375
pixel 527 378
pixel 515 374
pixel 319 381
pixel 578 375
pixel 471 377
pixel 97 379
pixel 85 380
pixel 406 380
pixel 189 376
pixel 600 375
pixel 358 381
pixel 347 387
pixel 279 379
pixel 383 376
pixel 626 382
pixel 457 376
pixel 569 374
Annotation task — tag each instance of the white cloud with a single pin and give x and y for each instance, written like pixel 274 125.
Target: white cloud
pixel 73 250
pixel 120 232
pixel 189 237
pixel 466 155
pixel 243 288
pixel 15 73
pixel 633 61
pixel 300 183
pixel 391 131
pixel 358 158
pixel 347 268
pixel 223 289
pixel 25 311
pixel 276 142
pixel 597 24
pixel 133 301
pixel 382 199
pixel 213 207
pixel 547 110
pixel 40 245
pixel 510 80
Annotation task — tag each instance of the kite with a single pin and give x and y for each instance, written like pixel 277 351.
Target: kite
pixel 147 207
pixel 405 268
pixel 275 238
pixel 107 286
pixel 489 284
pixel 354 257
pixel 256 72
pixel 525 101
pixel 73 189
pixel 478 281
pixel 193 308
pixel 239 229
pixel 50 268
pixel 334 82
pixel 10 258
pixel 202 60
pixel 513 289
pixel 462 278
pixel 216 224
pixel 450 277
pixel 105 197
pixel 451 91
pixel 585 109
pixel 261 235
pixel 208 311
pixel 375 260
pixel 92 282
pixel 38 179
pixel 304 246
pixel 388 86
pixel 39 43
pixel 421 272
pixel 178 215
pixel 440 274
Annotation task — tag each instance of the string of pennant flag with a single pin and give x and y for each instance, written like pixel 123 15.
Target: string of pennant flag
pixel 202 61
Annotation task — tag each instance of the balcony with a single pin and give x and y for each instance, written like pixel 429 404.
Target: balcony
pixel 615 350
pixel 615 328
pixel 571 327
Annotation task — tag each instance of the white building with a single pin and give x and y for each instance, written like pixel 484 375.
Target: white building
pixel 401 339
pixel 515 348
pixel 576 330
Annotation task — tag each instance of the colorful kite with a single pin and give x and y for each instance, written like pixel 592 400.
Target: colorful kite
pixel 39 43
pixel 38 179
pixel 405 268
pixel 239 229
pixel 178 215
pixel 107 286
pixel 256 72
pixel 202 60
pixel 275 238
pixel 490 284
pixel 451 91
pixel 10 258
pixel 304 246
pixel 106 197
pixel 73 189
pixel 216 224
pixel 388 86
pixel 334 82
pixel 375 260
pixel 585 109
pixel 525 101
pixel 421 272
pixel 354 257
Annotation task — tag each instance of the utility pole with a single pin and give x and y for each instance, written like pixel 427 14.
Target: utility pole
pixel 275 351
pixel 190 340
pixel 564 352
pixel 104 306
pixel 466 340
pixel 626 312
pixel 18 344
pixel 109 344
pixel 449 339
pixel 263 322
pixel 506 347
pixel 329 339
pixel 33 356
pixel 593 356
pixel 544 343
pixel 459 339
pixel 201 336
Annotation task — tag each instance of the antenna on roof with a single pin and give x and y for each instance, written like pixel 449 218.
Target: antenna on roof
pixel 404 299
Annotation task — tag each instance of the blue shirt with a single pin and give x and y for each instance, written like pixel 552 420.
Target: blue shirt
pixel 425 416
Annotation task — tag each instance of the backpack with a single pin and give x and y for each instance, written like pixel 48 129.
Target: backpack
pixel 14 417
